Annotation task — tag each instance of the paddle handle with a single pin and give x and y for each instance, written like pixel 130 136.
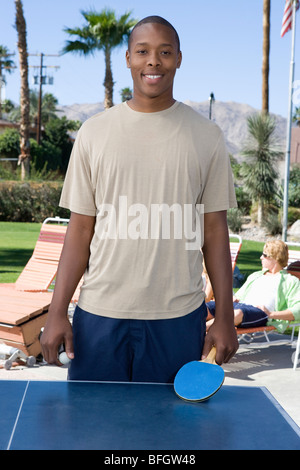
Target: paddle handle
pixel 211 358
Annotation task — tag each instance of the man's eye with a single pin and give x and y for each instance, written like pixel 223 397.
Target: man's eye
pixel 142 51
pixel 166 52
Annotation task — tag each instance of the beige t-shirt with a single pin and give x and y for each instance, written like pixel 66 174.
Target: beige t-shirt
pixel 142 176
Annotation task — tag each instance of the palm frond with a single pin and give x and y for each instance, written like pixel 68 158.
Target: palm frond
pixel 110 31
pixel 85 44
pixel 80 47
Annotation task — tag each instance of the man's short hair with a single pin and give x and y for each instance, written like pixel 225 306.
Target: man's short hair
pixel 159 20
pixel 277 250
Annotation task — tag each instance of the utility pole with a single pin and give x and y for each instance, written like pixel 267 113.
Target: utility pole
pixel 39 120
pixel 211 101
pixel 42 81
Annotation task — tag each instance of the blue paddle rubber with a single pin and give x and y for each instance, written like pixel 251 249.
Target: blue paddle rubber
pixel 198 381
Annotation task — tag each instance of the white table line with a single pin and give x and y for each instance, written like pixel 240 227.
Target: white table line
pixel 17 418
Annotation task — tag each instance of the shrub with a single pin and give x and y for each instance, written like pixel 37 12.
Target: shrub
pixel 30 202
pixel 10 143
pixel 294 187
pixel 243 200
pixel 293 215
pixel 45 156
pixel 234 220
pixel 272 223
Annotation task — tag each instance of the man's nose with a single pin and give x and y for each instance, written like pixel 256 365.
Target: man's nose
pixel 154 59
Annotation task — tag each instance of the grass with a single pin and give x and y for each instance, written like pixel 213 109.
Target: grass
pixel 249 258
pixel 17 241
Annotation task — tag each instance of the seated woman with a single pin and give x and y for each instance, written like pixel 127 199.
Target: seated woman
pixel 270 296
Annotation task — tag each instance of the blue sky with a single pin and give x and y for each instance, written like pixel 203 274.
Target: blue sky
pixel 221 42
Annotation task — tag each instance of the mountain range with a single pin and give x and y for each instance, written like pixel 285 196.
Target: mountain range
pixel 231 117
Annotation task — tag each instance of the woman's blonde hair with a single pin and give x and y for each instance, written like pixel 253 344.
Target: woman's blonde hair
pixel 277 250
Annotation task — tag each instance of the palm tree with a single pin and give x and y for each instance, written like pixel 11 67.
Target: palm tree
pixel 24 157
pixel 49 107
pixel 103 31
pixel 296 116
pixel 5 64
pixel 261 153
pixel 266 55
pixel 126 94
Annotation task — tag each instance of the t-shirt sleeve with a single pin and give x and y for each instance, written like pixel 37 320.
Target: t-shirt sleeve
pixel 78 193
pixel 218 191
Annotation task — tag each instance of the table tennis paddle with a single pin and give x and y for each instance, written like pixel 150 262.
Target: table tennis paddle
pixel 199 380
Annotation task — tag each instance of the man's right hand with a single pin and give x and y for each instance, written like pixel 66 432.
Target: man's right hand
pixel 57 331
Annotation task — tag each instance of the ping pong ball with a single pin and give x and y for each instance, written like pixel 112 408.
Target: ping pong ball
pixel 63 358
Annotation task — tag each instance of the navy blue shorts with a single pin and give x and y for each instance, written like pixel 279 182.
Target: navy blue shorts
pixel 108 349
pixel 252 316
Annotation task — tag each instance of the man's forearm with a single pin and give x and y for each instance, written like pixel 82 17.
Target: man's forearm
pixel 73 262
pixel 216 250
pixel 217 258
pixel 282 315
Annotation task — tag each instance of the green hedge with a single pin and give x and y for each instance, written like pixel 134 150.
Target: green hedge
pixel 30 201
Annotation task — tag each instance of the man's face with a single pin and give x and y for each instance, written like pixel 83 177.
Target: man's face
pixel 153 58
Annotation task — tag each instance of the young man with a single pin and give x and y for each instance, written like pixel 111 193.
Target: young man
pixel 136 175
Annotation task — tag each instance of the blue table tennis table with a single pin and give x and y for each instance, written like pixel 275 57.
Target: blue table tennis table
pixel 46 415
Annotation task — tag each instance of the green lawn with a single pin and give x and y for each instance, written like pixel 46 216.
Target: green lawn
pixel 249 258
pixel 17 241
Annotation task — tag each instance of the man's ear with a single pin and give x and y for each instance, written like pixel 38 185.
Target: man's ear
pixel 127 56
pixel 179 60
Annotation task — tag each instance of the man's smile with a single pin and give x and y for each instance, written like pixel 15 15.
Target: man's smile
pixel 152 77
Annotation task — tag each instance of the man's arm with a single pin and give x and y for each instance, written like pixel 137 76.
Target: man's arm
pixel 73 262
pixel 216 251
pixel 286 315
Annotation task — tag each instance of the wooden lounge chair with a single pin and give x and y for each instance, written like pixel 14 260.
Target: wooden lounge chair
pixel 24 304
pixel 40 271
pixel 22 315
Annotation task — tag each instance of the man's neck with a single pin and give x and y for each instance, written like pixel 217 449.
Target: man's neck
pixel 275 270
pixel 153 105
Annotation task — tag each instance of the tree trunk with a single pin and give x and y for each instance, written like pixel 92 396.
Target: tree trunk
pixel 266 55
pixel 108 80
pixel 2 83
pixel 24 157
pixel 260 213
